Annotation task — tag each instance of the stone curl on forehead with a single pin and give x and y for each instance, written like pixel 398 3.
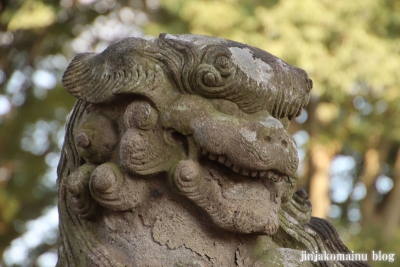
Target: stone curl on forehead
pixel 208 66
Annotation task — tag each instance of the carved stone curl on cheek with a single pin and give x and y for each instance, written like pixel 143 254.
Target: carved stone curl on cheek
pixel 95 137
pixel 145 148
pixel 78 193
pixel 116 190
pixel 141 115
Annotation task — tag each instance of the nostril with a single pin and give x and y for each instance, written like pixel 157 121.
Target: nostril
pixel 284 143
pixel 268 139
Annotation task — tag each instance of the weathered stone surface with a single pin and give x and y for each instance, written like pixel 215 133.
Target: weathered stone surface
pixel 176 154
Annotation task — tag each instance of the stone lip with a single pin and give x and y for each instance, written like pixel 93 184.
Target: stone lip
pixel 249 143
pixel 272 175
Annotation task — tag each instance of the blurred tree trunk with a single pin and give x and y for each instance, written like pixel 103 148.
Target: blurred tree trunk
pixel 320 161
pixel 319 164
pixel 370 173
pixel 391 211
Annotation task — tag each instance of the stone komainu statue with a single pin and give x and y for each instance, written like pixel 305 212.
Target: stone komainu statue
pixel 176 154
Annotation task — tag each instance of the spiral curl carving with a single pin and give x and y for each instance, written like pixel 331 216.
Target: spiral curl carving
pixel 224 65
pixel 79 198
pixel 214 77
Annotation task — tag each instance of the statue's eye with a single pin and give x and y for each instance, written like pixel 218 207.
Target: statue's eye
pixel 227 107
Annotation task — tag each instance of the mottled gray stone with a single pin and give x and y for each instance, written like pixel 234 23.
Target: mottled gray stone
pixel 177 154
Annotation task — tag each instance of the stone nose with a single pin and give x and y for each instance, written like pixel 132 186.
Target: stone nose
pixel 272 131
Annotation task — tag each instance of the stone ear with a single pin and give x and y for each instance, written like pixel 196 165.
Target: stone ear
pixel 124 67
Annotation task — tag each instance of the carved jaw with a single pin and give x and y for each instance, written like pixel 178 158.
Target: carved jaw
pixel 234 202
pixel 275 182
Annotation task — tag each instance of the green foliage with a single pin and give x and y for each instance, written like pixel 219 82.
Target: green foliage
pixel 370 239
pixel 32 15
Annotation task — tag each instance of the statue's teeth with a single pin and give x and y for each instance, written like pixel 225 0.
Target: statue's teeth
pixel 270 175
pixel 274 178
pixel 221 159
pixel 212 156
pixel 262 174
pixel 228 163
pixel 244 172
pixel 236 168
pixel 289 180
pixel 254 173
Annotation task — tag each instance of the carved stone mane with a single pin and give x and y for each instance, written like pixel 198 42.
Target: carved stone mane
pixel 176 154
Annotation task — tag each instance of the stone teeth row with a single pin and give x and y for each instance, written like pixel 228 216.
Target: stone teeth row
pixel 271 175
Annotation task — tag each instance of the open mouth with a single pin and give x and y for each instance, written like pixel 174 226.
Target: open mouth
pixel 272 175
pixel 236 199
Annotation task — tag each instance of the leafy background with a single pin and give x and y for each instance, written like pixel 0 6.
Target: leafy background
pixel 348 137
